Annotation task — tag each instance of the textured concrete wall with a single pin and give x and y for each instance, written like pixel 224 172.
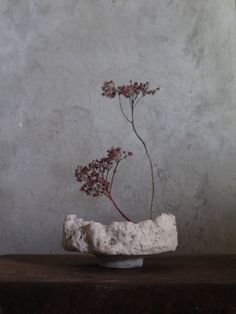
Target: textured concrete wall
pixel 54 56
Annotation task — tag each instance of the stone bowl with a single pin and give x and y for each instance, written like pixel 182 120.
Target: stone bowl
pixel 120 244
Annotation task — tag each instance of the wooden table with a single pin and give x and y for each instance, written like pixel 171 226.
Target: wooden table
pixel 38 284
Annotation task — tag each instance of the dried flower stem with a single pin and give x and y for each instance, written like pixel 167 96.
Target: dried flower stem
pixel 132 122
pixel 149 159
pixel 122 110
pixel 113 175
pixel 134 92
pixel 116 206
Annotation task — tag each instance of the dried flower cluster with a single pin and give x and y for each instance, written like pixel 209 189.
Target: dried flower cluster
pixel 132 90
pixel 98 176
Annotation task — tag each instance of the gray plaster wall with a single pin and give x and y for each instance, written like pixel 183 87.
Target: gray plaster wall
pixel 54 57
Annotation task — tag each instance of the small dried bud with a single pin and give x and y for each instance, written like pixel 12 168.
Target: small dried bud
pixel 109 89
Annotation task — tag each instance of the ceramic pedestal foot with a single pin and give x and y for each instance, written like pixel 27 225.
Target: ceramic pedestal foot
pixel 120 261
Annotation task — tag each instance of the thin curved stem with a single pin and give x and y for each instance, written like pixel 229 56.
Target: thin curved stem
pixel 113 175
pixel 116 206
pixel 122 110
pixel 148 156
pixel 108 170
pixel 138 100
pixel 114 172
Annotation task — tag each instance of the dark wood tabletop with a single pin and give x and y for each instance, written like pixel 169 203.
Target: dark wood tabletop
pixel 76 284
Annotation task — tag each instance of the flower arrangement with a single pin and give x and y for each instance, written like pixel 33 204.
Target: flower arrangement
pixel 98 176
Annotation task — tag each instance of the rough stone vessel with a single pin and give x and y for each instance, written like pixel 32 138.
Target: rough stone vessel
pixel 120 238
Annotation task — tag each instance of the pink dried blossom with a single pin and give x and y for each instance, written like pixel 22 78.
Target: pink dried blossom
pixel 131 90
pixel 97 177
pixel 109 89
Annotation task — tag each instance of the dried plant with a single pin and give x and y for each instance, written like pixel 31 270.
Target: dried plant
pixel 133 93
pixel 98 176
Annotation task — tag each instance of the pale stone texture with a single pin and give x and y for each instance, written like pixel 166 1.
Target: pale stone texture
pixel 54 56
pixel 120 238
